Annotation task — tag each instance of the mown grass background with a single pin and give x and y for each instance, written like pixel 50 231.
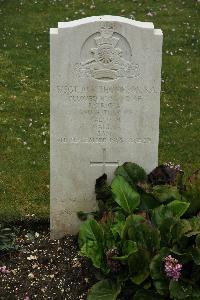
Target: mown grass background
pixel 24 90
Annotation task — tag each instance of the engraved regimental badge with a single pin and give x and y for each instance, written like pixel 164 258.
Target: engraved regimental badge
pixel 106 55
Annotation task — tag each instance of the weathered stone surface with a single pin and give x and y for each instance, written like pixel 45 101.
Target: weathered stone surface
pixel 105 104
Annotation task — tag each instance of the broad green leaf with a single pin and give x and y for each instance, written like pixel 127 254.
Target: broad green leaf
pixel 92 250
pixel 195 293
pixel 104 290
pixel 156 266
pixel 159 214
pixel 192 192
pixel 195 224
pixel 157 272
pixel 184 229
pixel 138 264
pixel 162 287
pixel 147 295
pixel 117 227
pixel 110 240
pixel 125 195
pixel 165 193
pixel 131 222
pixel 178 208
pixel 166 231
pixel 198 241
pixel 90 230
pixel 148 201
pixel 184 257
pixel 131 172
pixel 180 290
pixel 181 227
pixel 175 208
pixel 129 247
pixel 139 230
pixel 146 236
pixel 184 290
pixel 195 252
pixel 119 216
pixel 91 242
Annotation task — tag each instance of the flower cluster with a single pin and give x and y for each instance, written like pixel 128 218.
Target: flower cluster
pixel 172 268
pixel 172 166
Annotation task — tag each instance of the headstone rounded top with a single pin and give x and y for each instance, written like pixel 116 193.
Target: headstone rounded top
pixel 106 18
pixel 103 19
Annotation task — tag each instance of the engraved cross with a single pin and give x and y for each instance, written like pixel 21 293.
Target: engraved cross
pixel 104 163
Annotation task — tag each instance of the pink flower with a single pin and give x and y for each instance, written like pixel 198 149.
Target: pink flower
pixel 27 297
pixel 172 268
pixel 4 270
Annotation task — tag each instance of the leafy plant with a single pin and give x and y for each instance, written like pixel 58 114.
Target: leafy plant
pixel 104 290
pixel 192 193
pixel 127 198
pixel 132 173
pixel 144 242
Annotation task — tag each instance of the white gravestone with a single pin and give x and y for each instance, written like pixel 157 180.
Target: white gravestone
pixel 105 106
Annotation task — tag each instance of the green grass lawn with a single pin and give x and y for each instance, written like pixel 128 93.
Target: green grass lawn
pixel 24 89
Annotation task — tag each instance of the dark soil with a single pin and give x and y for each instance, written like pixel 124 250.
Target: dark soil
pixel 44 269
